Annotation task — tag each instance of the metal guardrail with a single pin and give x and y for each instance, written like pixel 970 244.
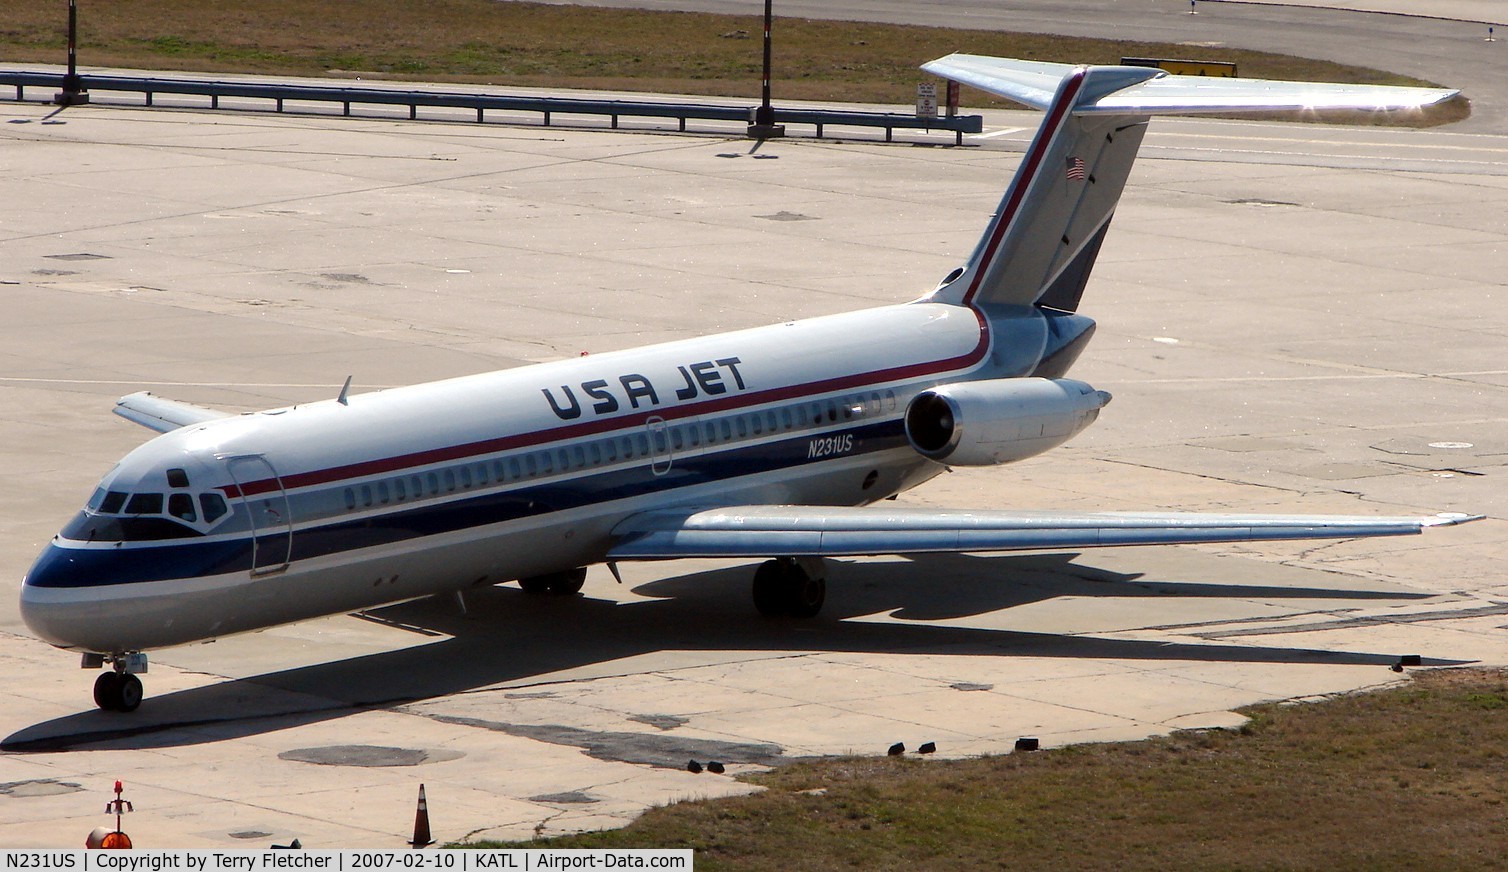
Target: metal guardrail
pixel 348 96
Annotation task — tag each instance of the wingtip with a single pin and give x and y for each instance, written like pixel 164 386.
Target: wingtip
pixel 1450 519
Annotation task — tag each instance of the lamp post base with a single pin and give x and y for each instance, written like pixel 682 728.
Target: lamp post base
pixel 71 98
pixel 766 131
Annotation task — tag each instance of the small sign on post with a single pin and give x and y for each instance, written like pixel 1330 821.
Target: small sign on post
pixel 926 100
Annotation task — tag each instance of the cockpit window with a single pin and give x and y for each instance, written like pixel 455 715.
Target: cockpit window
pixel 117 515
pixel 144 504
pixel 181 506
pixel 102 528
pixel 177 478
pixel 213 506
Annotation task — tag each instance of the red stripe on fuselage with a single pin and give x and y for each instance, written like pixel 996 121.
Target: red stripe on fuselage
pixel 1028 175
pixel 590 428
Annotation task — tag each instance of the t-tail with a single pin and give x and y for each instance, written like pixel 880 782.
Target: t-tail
pixel 1042 242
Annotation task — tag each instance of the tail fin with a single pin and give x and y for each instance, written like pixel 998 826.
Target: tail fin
pixel 1042 242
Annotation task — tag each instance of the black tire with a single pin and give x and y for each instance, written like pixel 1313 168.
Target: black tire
pixel 564 583
pixel 107 690
pixel 783 589
pixel 805 595
pixel 569 582
pixel 129 696
pixel 769 589
pixel 536 584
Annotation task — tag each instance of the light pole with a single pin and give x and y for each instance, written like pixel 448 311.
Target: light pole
pixel 73 92
pixel 764 126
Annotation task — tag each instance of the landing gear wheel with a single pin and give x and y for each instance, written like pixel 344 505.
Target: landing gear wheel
pixel 565 583
pixel 806 596
pixel 769 582
pixel 784 588
pixel 117 692
pixel 569 582
pixel 106 689
pixel 130 694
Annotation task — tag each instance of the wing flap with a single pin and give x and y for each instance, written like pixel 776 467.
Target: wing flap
pixel 163 415
pixel 825 531
pixel 1033 83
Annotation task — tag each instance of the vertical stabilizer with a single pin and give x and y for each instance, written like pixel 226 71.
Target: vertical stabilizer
pixel 1041 243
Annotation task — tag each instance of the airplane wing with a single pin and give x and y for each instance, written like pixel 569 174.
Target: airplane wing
pixel 829 531
pixel 162 415
pixel 1034 82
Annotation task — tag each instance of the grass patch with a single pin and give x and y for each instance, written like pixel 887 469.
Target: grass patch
pixel 527 44
pixel 1411 777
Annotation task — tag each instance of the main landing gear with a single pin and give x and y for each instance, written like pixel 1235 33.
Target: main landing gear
pixel 117 689
pixel 564 583
pixel 786 587
pixel 789 587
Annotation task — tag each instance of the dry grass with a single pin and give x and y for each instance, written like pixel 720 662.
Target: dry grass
pixel 512 43
pixel 1407 778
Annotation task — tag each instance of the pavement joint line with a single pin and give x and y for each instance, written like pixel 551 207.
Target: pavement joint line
pixel 1206 476
pixel 1086 710
pixel 584 680
pixel 1359 143
pixel 1347 623
pixel 1223 155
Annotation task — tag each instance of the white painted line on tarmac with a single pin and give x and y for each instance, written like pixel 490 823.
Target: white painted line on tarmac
pixel 994 133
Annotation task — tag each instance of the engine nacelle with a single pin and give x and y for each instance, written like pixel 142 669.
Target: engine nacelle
pixel 1000 420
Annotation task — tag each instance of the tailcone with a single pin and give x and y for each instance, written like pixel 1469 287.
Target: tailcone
pixel 1067 335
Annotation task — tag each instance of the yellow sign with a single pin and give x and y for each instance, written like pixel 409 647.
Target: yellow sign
pixel 1217 69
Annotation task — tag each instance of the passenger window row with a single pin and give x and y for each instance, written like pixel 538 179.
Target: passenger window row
pixel 668 438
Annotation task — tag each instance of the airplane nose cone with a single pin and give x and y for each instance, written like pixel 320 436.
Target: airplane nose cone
pixel 39 608
pixel 50 605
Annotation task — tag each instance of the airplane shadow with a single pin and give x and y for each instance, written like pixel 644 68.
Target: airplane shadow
pixel 507 636
pixel 935 587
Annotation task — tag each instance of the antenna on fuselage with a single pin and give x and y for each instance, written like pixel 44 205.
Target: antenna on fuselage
pixel 345 389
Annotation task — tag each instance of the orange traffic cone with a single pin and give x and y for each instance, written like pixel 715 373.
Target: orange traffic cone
pixel 421 823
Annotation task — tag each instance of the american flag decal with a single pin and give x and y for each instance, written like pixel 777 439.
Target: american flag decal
pixel 1076 169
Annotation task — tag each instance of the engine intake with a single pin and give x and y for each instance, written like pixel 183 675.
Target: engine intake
pixel 985 423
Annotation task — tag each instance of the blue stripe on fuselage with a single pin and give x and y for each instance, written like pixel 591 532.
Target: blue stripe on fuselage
pixel 63 567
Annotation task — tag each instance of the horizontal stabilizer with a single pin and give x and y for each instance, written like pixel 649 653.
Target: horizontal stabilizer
pixel 162 415
pixel 827 531
pixel 1034 83
pixel 1042 242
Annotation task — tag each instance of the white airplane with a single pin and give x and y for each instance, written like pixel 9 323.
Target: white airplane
pixel 762 443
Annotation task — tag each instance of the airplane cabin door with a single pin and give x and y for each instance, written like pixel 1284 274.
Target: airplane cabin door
pixel 271 518
pixel 660 454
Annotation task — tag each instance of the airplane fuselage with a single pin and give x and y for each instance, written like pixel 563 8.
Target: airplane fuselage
pixel 261 519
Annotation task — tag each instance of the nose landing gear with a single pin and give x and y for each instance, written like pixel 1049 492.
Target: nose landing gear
pixel 117 692
pixel 117 689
